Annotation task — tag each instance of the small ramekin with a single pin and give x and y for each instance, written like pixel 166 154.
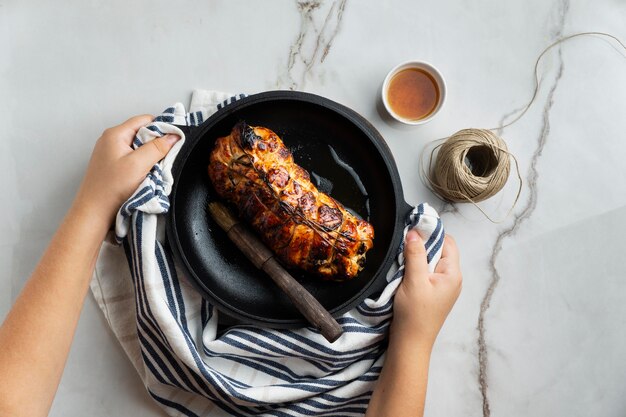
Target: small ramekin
pixel 424 66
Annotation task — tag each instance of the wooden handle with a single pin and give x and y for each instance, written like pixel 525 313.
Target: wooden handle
pixel 262 257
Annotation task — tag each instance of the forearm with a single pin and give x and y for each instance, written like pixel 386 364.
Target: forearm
pixel 401 388
pixel 36 336
pixel 421 305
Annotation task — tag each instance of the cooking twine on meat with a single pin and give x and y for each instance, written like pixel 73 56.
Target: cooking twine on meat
pixel 474 164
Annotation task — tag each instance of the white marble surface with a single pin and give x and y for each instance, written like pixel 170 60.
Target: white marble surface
pixel 548 284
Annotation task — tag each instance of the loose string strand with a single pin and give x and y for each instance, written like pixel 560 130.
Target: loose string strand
pixel 536 70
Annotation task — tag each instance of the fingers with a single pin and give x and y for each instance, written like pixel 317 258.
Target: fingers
pixel 135 122
pixel 144 158
pixel 450 250
pixel 126 131
pixel 448 267
pixel 415 256
pixel 449 255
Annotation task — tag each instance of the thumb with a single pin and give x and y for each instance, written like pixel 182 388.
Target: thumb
pixel 415 256
pixel 152 152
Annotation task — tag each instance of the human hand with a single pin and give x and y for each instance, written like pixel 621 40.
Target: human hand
pixel 116 170
pixel 424 299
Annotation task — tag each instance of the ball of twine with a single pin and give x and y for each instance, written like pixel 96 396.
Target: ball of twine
pixel 471 166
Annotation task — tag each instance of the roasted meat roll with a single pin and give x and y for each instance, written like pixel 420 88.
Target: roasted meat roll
pixel 252 169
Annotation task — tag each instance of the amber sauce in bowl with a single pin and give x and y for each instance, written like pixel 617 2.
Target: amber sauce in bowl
pixel 413 92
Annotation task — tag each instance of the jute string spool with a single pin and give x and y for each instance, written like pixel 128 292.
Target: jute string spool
pixel 473 165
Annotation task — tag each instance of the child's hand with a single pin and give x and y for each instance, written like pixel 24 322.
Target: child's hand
pixel 424 299
pixel 116 170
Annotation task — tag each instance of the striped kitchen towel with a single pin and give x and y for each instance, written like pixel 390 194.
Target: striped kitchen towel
pixel 171 335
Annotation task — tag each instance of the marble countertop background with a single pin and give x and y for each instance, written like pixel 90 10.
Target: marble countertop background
pixel 539 329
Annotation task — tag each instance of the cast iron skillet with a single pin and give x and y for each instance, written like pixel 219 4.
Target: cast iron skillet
pixel 359 172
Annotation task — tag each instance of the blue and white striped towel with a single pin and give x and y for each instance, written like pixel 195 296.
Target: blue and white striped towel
pixel 170 333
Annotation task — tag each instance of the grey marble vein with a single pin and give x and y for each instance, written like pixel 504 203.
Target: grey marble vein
pixel 340 9
pixel 523 215
pixel 313 42
pixel 506 116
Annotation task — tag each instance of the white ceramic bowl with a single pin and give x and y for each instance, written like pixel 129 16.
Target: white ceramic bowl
pixel 424 66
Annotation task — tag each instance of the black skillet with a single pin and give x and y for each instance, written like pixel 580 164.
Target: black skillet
pixel 347 158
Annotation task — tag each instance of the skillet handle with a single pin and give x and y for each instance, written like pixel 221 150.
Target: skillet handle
pixel 406 209
pixel 187 130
